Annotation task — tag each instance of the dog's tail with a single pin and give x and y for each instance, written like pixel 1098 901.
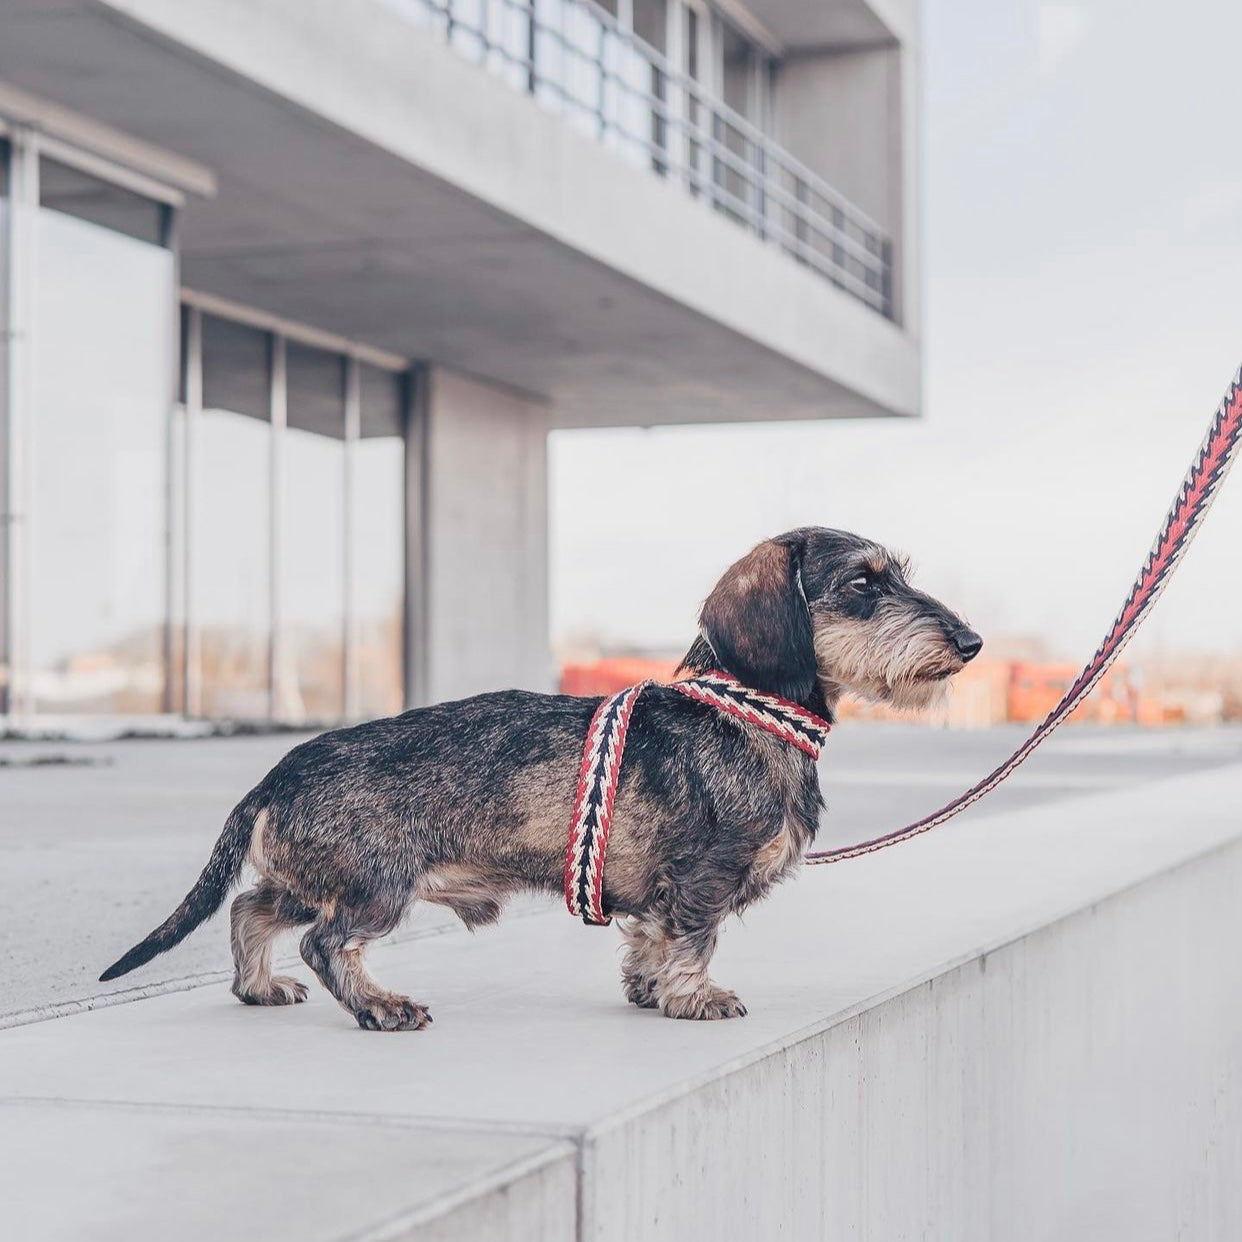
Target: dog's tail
pixel 205 898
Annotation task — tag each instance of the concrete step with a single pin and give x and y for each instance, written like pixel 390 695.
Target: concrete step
pixel 1021 1026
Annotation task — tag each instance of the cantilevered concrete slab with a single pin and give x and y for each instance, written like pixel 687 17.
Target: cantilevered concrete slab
pixel 488 236
pixel 1023 1026
pixel 840 25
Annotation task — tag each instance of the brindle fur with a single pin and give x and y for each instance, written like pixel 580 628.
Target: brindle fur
pixel 463 804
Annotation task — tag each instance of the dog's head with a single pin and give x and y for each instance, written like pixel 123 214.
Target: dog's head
pixel 828 609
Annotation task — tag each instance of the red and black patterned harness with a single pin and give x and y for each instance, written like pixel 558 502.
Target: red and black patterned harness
pixel 601 767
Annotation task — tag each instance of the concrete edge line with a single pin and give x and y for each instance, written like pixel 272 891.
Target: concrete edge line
pixel 317 1116
pixel 67 1009
pixel 747 1059
pixel 188 983
pixel 397 1227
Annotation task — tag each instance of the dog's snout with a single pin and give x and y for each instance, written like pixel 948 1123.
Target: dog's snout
pixel 966 643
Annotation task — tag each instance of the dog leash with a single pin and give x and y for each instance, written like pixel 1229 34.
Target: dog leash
pixel 1199 488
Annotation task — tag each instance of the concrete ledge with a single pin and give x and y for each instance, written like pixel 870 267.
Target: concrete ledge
pixel 1080 1082
pixel 1022 1027
pixel 138 1172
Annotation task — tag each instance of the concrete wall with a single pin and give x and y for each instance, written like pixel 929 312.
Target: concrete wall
pixel 851 116
pixel 1082 1082
pixel 480 546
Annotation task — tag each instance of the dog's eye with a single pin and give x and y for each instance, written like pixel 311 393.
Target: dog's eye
pixel 861 583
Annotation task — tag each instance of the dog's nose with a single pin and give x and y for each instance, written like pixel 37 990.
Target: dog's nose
pixel 967 643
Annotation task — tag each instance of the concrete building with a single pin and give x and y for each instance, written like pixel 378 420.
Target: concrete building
pixel 295 290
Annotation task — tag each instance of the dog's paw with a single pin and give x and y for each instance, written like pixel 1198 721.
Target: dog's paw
pixel 394 1013
pixel 287 991
pixel 282 990
pixel 705 1006
pixel 640 991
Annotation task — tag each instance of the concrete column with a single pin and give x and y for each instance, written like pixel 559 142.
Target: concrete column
pixel 477 539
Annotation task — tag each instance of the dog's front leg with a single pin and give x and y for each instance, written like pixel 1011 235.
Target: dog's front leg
pixel 684 987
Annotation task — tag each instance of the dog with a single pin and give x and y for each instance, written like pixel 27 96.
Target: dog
pixel 462 804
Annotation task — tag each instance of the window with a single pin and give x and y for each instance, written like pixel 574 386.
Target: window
pixel 97 431
pixel 230 568
pixel 313 525
pixel 236 553
pixel 650 22
pixel 737 178
pixel 296 547
pixel 84 197
pixel 377 556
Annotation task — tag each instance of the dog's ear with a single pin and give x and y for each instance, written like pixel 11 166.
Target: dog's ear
pixel 758 624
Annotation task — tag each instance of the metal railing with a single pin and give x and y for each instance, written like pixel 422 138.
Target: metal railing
pixel 575 60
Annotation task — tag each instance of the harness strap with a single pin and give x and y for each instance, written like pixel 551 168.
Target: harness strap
pixel 601 767
pixel 787 720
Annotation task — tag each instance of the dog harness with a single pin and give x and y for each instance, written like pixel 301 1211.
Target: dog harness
pixel 601 767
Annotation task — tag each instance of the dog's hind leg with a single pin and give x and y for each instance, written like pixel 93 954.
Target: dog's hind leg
pixel 334 949
pixel 258 916
pixel 646 944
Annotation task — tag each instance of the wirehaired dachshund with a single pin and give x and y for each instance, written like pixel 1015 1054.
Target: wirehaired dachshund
pixel 463 804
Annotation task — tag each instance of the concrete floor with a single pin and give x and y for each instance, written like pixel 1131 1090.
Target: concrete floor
pixel 1023 1027
pixel 98 841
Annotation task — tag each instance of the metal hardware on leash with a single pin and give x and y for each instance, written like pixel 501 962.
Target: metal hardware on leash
pixel 1198 490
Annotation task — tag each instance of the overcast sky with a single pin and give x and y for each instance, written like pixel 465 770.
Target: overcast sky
pixel 1083 278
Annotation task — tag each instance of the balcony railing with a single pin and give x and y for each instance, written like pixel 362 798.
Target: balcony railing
pixel 575 60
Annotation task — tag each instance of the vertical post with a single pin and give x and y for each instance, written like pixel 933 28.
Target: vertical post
pixel 886 278
pixel 7 498
pixel 532 39
pixel 760 187
pixel 801 230
pixel 417 612
pixel 19 458
pixel 601 63
pixel 192 384
pixel 349 620
pixel 279 690
pixel 168 239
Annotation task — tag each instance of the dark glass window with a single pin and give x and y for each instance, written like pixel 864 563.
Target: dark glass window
pixel 78 194
pixel 382 395
pixel 316 391
pixel 235 368
pixel 650 22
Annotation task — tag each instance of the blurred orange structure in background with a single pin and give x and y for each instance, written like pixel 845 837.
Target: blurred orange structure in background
pixel 986 692
pixel 609 674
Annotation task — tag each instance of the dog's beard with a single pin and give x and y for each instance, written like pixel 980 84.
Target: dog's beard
pixel 895 659
pixel 918 695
